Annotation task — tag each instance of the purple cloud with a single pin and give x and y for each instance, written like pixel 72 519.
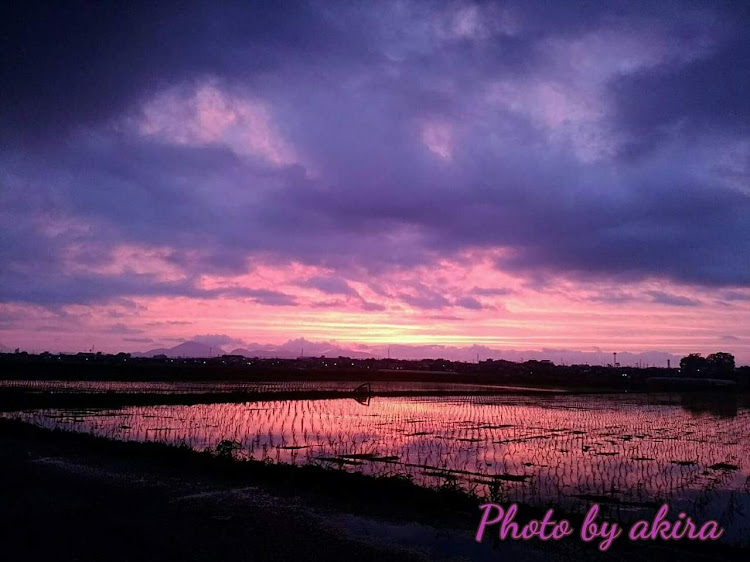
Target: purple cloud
pixel 330 286
pixel 595 143
pixel 469 302
pixel 672 300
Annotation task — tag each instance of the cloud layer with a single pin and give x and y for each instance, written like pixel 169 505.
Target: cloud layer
pixel 327 156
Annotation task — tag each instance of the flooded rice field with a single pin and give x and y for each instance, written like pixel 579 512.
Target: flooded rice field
pixel 629 453
pixel 197 387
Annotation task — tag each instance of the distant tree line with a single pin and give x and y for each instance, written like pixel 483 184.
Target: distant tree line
pixel 717 366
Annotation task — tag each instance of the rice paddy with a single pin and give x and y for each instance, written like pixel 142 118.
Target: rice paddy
pixel 629 453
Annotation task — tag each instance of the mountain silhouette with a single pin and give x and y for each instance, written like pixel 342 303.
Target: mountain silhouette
pixel 185 349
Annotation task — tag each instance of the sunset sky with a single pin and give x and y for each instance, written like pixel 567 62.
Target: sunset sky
pixel 519 175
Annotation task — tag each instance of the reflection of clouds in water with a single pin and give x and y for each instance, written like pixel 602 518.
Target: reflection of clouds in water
pixel 628 453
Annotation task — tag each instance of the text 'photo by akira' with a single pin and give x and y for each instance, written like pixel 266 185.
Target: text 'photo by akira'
pixel 396 280
pixel 591 530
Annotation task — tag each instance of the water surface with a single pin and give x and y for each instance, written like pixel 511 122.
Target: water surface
pixel 629 453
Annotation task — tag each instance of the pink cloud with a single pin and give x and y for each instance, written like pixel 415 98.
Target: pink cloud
pixel 458 302
pixel 207 114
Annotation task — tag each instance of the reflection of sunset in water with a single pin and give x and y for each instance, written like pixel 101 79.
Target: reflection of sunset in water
pixel 627 453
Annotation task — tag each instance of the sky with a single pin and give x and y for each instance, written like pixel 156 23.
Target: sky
pixel 567 176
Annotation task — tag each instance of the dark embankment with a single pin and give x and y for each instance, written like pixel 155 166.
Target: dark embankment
pixel 543 374
pixel 530 373
pixel 67 499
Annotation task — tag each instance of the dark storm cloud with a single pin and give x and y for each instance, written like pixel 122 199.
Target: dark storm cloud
pixel 77 63
pixel 660 191
pixel 469 302
pixel 661 297
pixel 424 298
pixel 708 95
pixel 735 296
pixel 330 286
pixel 58 288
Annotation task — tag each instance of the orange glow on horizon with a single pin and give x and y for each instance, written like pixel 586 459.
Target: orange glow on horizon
pixel 502 312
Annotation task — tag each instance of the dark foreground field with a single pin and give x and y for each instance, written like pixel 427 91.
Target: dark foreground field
pixel 74 497
pixel 63 499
